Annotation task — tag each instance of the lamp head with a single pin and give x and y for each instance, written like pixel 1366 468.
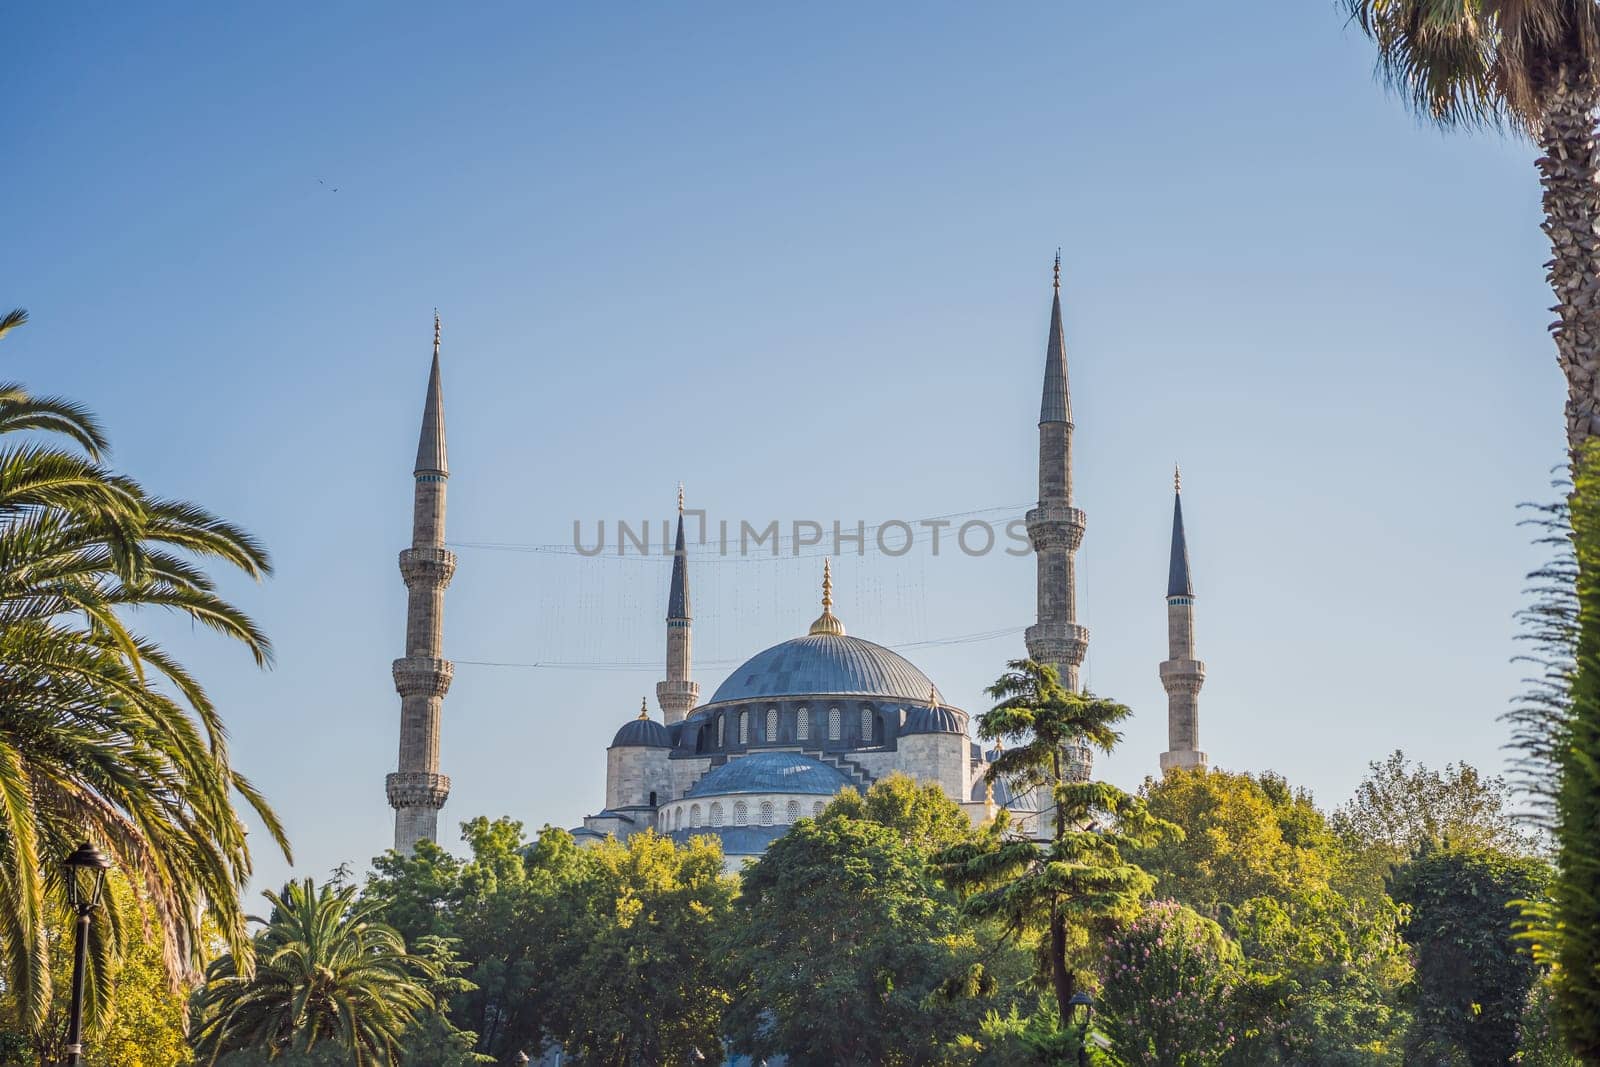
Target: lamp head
pixel 86 876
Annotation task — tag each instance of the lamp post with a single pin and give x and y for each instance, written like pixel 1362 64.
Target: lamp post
pixel 86 880
pixel 1082 1005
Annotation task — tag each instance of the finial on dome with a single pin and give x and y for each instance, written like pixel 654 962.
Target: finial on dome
pixel 1177 479
pixel 644 704
pixel 933 696
pixel 1058 269
pixel 435 331
pixel 827 622
pixel 680 498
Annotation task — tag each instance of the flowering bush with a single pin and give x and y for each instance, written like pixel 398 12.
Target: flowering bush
pixel 1166 981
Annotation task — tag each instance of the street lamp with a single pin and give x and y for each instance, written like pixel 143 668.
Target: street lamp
pixel 86 880
pixel 1082 1008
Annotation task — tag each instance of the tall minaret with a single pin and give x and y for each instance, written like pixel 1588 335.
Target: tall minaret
pixel 422 677
pixel 1181 674
pixel 1056 527
pixel 678 695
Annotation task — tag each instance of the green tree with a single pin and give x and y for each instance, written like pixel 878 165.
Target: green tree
pixel 1557 729
pixel 1401 808
pixel 844 950
pixel 105 733
pixel 325 971
pixel 1165 987
pixel 1323 972
pixel 1472 978
pixel 646 989
pixel 1080 876
pixel 517 915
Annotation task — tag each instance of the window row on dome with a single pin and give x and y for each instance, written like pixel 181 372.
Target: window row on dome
pixel 766 726
pixel 737 813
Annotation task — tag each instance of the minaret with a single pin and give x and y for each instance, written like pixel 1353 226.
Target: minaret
pixel 1181 674
pixel 1056 527
pixel 678 695
pixel 422 677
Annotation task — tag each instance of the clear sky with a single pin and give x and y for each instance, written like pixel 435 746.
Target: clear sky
pixel 796 256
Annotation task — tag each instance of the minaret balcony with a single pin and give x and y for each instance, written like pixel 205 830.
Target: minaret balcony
pixel 431 566
pixel 1051 524
pixel 1057 642
pixel 1182 675
pixel 417 789
pixel 420 676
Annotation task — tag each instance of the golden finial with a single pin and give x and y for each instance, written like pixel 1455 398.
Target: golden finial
pixel 644 704
pixel 680 498
pixel 933 696
pixel 1058 270
pixel 1177 479
pixel 827 623
pixel 436 331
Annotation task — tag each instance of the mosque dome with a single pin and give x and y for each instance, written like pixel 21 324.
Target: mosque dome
pixel 643 732
pixel 826 664
pixel 934 720
pixel 1004 795
pixel 771 772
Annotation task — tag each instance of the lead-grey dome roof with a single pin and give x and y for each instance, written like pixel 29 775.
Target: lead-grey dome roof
pixel 644 733
pixel 934 720
pixel 771 772
pixel 827 664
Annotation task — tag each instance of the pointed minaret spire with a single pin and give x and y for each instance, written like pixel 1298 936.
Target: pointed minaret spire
pixel 1181 674
pixel 430 443
pixel 1055 527
pixel 678 694
pixel 422 676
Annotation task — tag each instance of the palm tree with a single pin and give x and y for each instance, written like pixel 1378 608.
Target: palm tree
pixel 324 970
pixel 104 734
pixel 1077 876
pixel 1533 65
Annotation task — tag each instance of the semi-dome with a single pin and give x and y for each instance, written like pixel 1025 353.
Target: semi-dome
pixel 934 720
pixel 771 772
pixel 826 664
pixel 643 732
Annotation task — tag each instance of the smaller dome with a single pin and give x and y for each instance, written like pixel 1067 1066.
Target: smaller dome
pixel 1004 795
pixel 935 720
pixel 771 772
pixel 642 733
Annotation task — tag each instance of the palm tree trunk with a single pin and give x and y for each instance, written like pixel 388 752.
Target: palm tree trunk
pixel 1569 171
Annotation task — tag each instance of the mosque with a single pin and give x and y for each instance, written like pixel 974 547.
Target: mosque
pixel 800 721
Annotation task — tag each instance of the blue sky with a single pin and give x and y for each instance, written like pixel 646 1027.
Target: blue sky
pixel 798 258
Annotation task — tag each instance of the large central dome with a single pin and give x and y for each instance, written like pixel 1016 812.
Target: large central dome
pixel 827 664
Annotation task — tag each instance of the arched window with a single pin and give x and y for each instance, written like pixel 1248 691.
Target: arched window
pixel 766 813
pixel 741 813
pixel 694 815
pixel 833 724
pixel 816 809
pixel 722 731
pixel 716 815
pixel 652 798
pixel 772 725
pixel 744 727
pixel 677 820
pixel 866 725
pixel 802 725
pixel 791 813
